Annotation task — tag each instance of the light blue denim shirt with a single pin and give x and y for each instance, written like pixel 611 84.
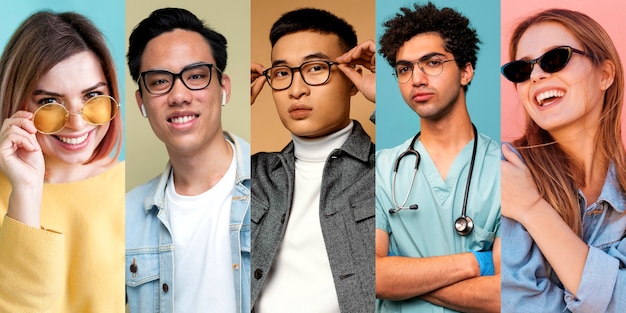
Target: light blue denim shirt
pixel 150 249
pixel 526 286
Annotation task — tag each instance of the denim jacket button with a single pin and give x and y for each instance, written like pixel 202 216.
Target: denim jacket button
pixel 166 288
pixel 282 219
pixel 133 268
pixel 258 273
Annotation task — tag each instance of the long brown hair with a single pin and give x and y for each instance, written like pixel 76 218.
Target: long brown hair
pixel 555 173
pixel 42 41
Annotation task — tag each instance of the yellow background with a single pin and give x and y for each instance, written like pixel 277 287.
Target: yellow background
pixel 145 153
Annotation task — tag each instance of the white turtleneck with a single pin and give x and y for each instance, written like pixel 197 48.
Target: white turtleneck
pixel 300 279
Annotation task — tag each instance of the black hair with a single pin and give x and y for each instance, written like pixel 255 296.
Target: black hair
pixel 458 37
pixel 315 20
pixel 166 20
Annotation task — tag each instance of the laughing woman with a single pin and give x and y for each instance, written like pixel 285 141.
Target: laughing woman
pixel 61 186
pixel 563 236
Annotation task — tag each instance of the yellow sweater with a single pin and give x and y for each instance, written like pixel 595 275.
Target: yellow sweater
pixel 75 263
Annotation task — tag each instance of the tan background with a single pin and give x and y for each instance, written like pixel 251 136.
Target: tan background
pixel 145 154
pixel 268 133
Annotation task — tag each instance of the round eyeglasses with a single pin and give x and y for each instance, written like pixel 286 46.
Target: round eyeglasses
pixel 52 117
pixel 313 73
pixel 194 77
pixel 433 66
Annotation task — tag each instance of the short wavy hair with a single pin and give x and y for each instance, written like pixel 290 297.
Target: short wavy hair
pixel 459 38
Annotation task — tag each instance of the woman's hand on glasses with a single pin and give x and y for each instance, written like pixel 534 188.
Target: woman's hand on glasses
pixel 364 55
pixel 257 80
pixel 21 160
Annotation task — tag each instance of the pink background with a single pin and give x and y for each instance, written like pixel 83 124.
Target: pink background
pixel 609 13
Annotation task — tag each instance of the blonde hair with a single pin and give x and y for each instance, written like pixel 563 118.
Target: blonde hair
pixel 42 41
pixel 555 173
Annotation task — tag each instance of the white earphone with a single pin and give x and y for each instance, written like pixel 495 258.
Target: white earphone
pixel 223 97
pixel 143 111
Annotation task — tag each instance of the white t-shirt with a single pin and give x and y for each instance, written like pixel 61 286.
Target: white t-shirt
pixel 200 228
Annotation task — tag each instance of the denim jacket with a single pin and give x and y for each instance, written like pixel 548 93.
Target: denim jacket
pixel 526 284
pixel 150 249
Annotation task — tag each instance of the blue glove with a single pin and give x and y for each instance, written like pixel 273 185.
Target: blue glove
pixel 485 262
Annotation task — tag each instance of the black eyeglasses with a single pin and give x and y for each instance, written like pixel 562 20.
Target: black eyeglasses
pixel 194 77
pixel 313 73
pixel 433 66
pixel 550 62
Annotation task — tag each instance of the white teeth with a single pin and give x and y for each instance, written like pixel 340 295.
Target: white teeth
pixel 73 140
pixel 549 94
pixel 183 119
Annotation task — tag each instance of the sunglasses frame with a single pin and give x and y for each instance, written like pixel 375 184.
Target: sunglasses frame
pixel 68 113
pixel 539 60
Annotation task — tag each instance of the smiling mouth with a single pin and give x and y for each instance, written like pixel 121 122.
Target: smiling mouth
pixel 73 140
pixel 549 96
pixel 182 119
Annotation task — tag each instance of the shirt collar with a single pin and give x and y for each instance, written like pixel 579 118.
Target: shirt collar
pixel 611 192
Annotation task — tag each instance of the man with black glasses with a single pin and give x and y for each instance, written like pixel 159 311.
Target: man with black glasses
pixel 438 193
pixel 187 231
pixel 313 202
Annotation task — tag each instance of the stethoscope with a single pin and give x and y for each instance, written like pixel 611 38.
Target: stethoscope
pixel 464 224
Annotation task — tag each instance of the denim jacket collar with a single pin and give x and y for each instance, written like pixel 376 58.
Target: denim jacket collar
pixel 611 193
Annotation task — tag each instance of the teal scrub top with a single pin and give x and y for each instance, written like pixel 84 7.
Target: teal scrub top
pixel 429 230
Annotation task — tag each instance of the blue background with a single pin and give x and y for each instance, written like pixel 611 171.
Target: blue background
pixel 395 121
pixel 108 16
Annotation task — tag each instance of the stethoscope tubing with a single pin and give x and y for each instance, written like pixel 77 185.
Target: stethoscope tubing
pixel 469 224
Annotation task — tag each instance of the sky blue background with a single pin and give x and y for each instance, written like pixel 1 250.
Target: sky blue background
pixel 107 15
pixel 395 121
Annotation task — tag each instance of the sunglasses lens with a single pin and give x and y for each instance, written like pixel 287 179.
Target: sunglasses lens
pixel 50 118
pixel 555 59
pixel 99 110
pixel 551 62
pixel 517 71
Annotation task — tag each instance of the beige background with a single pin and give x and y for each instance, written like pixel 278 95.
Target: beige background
pixel 145 154
pixel 268 133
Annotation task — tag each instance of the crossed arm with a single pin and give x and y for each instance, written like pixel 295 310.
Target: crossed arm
pixel 451 281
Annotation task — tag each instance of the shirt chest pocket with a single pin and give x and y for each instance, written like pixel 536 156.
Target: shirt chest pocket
pixel 481 239
pixel 141 268
pixel 142 281
pixel 364 213
pixel 606 232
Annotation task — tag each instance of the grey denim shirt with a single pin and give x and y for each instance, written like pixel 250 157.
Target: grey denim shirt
pixel 347 211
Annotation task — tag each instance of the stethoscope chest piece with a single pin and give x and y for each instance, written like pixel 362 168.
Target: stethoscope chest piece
pixel 464 225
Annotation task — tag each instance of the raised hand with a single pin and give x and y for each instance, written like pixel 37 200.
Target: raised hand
pixel 519 192
pixel 21 160
pixel 364 55
pixel 257 80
